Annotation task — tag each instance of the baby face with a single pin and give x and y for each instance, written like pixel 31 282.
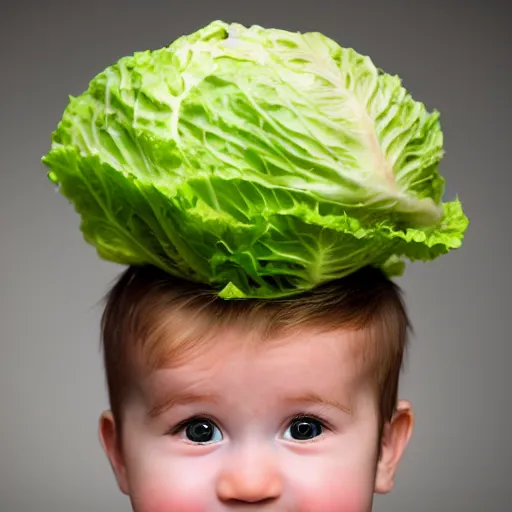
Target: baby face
pixel 285 426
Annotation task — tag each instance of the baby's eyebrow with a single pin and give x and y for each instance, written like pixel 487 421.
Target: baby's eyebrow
pixel 174 399
pixel 315 398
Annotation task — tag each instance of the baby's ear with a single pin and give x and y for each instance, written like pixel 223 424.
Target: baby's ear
pixel 109 440
pixel 395 436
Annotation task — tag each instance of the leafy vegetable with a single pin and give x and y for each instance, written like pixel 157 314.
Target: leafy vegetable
pixel 262 162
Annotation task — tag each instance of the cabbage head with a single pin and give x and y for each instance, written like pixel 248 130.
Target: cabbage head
pixel 259 161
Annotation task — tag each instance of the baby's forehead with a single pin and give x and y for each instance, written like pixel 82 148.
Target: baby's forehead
pixel 232 357
pixel 309 370
pixel 193 343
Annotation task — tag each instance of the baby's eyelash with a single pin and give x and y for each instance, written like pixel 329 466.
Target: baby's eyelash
pixel 310 416
pixel 185 423
pixel 205 417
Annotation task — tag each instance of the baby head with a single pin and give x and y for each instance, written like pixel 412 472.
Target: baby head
pixel 281 405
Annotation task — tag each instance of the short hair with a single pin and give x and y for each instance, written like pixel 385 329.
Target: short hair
pixel 150 312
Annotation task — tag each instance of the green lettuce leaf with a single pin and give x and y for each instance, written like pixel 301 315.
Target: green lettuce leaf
pixel 261 162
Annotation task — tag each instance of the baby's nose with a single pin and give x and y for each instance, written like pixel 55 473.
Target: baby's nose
pixel 250 478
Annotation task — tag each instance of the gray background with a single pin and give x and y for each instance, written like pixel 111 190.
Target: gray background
pixel 451 55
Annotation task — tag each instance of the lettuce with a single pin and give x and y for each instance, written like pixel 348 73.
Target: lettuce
pixel 261 162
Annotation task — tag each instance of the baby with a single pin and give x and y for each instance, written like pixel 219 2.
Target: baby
pixel 275 405
pixel 264 163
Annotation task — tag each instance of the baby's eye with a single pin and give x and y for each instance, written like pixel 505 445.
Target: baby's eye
pixel 202 431
pixel 304 429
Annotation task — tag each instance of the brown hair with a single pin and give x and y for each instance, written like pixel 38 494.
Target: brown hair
pixel 166 317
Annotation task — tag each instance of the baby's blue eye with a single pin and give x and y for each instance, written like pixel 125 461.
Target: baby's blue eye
pixel 304 429
pixel 202 431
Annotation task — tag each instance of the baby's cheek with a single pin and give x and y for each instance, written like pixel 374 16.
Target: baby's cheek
pixel 162 502
pixel 345 502
pixel 165 496
pixel 347 494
